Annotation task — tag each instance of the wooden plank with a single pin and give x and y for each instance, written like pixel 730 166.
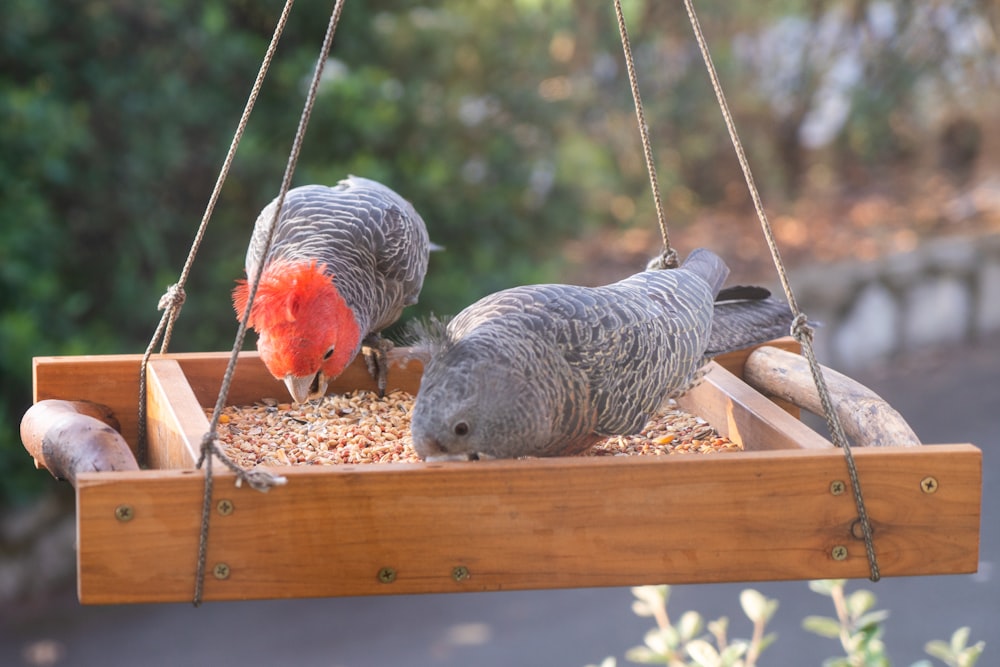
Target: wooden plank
pixel 112 380
pixel 740 517
pixel 252 381
pixel 746 416
pixel 175 420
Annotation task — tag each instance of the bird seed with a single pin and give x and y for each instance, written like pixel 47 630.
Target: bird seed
pixel 360 427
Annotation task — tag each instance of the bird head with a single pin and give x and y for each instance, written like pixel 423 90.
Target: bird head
pixel 477 402
pixel 307 334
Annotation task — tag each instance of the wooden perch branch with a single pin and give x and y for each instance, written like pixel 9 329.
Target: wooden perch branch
pixel 70 437
pixel 868 420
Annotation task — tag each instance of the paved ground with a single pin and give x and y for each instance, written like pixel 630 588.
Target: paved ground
pixel 948 395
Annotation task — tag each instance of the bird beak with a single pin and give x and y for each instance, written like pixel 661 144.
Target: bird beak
pixel 306 387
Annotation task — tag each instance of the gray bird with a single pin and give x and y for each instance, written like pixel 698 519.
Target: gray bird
pixel 548 370
pixel 343 264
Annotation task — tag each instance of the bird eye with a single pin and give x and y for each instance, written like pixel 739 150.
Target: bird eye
pixel 461 428
pixel 329 353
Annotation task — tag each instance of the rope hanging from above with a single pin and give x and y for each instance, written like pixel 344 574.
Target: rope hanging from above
pixel 172 301
pixel 209 446
pixel 668 258
pixel 800 329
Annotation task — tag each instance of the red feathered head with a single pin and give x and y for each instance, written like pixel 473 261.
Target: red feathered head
pixel 306 332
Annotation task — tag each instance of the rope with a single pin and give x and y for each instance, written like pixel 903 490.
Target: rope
pixel 173 299
pixel 260 480
pixel 800 329
pixel 668 259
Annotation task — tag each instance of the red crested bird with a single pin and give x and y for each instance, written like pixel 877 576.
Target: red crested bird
pixel 343 264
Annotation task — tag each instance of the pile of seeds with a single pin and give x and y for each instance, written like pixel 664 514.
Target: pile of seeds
pixel 360 427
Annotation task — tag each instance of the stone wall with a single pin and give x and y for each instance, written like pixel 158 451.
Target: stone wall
pixel 946 291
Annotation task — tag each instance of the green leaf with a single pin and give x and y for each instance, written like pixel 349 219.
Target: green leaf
pixel 824 626
pixel 959 639
pixel 766 641
pixel 649 598
pixel 661 641
pixel 837 662
pixel 872 619
pixel 970 656
pixel 703 653
pixel 754 605
pixel 859 602
pixel 939 649
pixel 719 627
pixel 733 653
pixel 643 656
pixel 689 626
pixel 826 586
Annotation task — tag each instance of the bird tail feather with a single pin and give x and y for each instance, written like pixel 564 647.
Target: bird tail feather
pixel 743 322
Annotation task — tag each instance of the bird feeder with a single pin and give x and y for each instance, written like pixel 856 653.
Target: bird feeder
pixel 781 509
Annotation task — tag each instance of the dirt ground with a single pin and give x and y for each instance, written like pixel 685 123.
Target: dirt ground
pixel 828 223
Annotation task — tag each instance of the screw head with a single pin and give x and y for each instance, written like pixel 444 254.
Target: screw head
pixel 837 487
pixel 221 571
pixel 929 484
pixel 839 552
pixel 124 513
pixel 225 507
pixel 387 575
pixel 460 573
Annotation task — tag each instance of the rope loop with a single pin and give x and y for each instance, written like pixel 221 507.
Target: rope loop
pixel 670 257
pixel 173 298
pixel 667 259
pixel 800 329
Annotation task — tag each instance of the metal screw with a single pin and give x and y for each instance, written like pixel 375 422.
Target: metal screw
pixel 839 552
pixel 225 507
pixel 460 573
pixel 124 513
pixel 929 484
pixel 837 487
pixel 221 571
pixel 387 575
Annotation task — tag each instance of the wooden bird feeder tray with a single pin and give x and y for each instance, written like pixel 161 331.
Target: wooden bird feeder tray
pixel 782 509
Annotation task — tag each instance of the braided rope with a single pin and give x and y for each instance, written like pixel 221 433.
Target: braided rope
pixel 172 301
pixel 259 480
pixel 668 258
pixel 800 329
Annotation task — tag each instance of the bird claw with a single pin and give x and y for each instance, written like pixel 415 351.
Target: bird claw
pixel 375 350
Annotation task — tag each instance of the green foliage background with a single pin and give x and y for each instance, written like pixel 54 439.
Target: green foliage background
pixel 509 125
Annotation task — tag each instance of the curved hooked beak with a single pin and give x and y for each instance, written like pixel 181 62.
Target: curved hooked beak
pixel 303 388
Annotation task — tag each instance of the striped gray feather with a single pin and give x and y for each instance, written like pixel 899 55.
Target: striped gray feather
pixel 371 240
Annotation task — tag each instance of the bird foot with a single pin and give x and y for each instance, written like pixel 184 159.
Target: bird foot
pixel 375 350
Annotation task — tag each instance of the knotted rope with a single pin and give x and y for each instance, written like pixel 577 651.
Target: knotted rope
pixel 668 258
pixel 259 480
pixel 800 328
pixel 172 301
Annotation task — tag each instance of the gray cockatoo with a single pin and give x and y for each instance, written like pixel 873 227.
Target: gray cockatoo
pixel 548 370
pixel 344 263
